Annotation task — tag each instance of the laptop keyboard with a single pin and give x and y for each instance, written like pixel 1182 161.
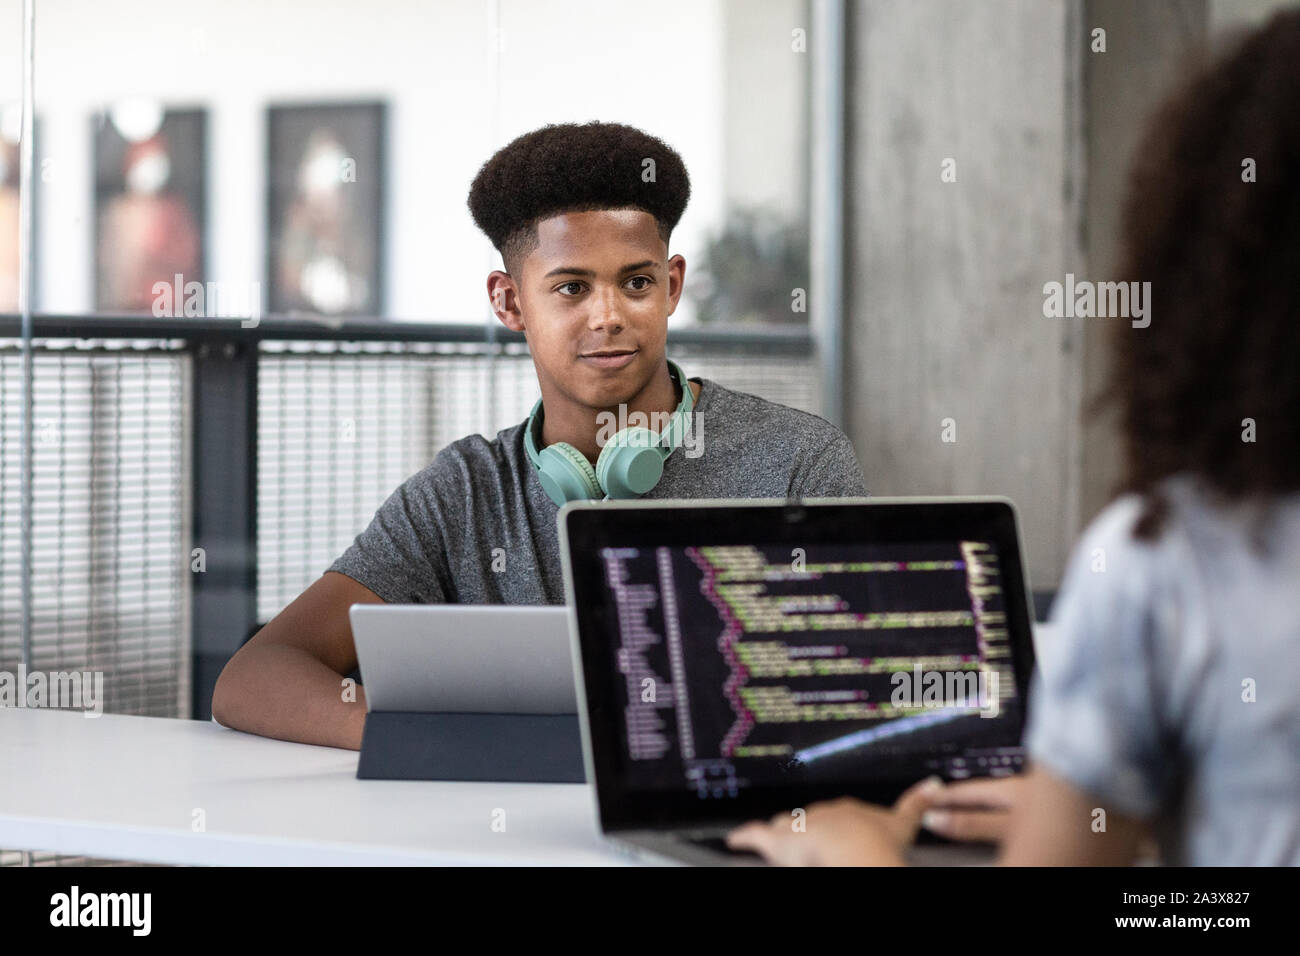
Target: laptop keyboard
pixel 719 845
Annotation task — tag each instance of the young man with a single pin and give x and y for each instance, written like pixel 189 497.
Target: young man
pixel 582 217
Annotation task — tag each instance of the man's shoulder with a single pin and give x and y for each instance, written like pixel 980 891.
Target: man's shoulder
pixel 767 420
pixel 474 455
pixel 506 443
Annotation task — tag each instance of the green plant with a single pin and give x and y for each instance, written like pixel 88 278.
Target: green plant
pixel 751 270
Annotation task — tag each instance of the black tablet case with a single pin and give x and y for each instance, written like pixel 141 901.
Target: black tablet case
pixel 521 748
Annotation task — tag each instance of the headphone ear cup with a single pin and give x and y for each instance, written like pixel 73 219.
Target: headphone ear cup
pixel 566 475
pixel 631 463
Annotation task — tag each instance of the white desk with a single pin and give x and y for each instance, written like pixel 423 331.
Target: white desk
pixel 127 787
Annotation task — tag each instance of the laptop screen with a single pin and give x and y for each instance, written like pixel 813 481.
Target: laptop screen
pixel 739 656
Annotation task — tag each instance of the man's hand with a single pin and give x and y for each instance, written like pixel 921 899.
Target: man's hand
pixel 977 810
pixel 844 832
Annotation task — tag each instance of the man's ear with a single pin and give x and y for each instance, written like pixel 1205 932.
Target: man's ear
pixel 676 281
pixel 504 296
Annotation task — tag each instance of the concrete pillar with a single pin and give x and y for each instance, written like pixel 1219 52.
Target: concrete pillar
pixel 944 316
pixel 944 321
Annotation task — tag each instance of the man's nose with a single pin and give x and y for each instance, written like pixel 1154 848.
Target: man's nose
pixel 606 313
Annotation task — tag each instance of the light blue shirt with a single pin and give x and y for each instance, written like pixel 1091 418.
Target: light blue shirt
pixel 1172 689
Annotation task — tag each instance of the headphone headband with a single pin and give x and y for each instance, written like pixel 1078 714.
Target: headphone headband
pixel 628 463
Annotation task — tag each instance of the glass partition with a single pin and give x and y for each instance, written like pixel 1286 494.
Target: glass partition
pixel 259 298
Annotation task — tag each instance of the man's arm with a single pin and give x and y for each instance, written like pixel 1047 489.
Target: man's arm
pixel 287 681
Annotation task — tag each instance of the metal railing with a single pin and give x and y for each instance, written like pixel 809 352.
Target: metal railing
pixel 194 476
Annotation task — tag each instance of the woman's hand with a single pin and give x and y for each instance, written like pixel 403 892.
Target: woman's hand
pixel 976 810
pixel 843 832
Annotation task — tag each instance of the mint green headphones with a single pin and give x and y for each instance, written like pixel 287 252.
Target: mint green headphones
pixel 629 465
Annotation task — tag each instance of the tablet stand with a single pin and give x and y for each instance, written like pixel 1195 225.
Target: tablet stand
pixel 529 748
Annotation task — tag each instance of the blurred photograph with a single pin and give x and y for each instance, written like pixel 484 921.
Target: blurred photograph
pixel 150 202
pixel 9 226
pixel 325 208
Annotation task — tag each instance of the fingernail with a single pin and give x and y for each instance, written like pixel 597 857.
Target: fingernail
pixel 931 784
pixel 934 819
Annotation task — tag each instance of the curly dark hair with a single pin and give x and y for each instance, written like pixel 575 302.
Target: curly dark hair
pixel 572 167
pixel 1222 255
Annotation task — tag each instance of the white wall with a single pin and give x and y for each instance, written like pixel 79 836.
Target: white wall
pixel 660 69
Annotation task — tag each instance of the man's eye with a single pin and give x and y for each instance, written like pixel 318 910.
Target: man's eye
pixel 567 285
pixel 645 279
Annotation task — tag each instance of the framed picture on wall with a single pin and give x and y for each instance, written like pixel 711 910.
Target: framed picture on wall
pixel 325 209
pixel 150 202
pixel 10 130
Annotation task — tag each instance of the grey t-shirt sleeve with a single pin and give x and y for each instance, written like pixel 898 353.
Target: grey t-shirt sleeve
pixel 1095 701
pixel 399 555
pixel 832 472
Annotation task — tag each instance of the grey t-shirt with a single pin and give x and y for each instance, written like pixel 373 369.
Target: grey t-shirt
pixel 1169 688
pixel 475 526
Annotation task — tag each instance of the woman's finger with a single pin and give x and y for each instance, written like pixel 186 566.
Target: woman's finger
pixel 760 838
pixel 974 826
pixel 913 803
pixel 980 792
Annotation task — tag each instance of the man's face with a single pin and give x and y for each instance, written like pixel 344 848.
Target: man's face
pixel 593 301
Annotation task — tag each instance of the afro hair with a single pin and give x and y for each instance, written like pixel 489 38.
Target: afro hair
pixel 574 167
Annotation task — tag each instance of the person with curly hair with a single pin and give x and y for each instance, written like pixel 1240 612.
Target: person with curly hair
pixel 1170 707
pixel 582 216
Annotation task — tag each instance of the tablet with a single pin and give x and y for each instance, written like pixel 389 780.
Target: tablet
pixel 451 658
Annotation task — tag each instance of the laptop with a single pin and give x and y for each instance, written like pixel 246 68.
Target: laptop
pixel 467 692
pixel 735 660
